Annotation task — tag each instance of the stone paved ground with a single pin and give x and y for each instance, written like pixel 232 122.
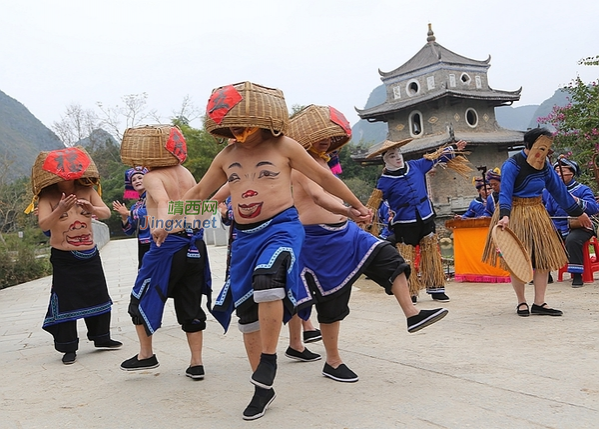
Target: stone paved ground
pixel 480 367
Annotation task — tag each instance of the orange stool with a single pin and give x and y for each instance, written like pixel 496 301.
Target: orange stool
pixel 588 267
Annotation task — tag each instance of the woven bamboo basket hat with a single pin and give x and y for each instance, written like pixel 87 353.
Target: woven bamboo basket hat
pixel 315 123
pixel 153 146
pixel 55 166
pixel 51 167
pixel 246 105
pixel 385 146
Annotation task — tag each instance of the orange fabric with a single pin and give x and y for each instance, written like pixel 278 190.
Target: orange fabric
pixel 468 245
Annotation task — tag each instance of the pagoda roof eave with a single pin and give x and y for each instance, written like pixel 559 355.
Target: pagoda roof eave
pixel 434 53
pixel 499 97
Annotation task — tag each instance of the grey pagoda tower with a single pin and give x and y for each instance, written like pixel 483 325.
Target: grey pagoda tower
pixel 440 97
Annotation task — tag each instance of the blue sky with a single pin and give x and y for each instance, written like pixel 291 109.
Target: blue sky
pixel 60 52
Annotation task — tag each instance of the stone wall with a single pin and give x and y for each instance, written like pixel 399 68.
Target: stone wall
pixel 101 233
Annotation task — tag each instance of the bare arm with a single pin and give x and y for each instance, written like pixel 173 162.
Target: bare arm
pixel 48 216
pixel 325 200
pixel 121 209
pixel 95 206
pixel 222 194
pixel 212 180
pixel 301 161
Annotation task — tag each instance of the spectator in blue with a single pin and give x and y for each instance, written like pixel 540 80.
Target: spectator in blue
pixel 134 220
pixel 573 235
pixel 477 207
pixel 385 215
pixel 494 180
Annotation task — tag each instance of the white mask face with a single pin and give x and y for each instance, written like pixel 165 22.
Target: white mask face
pixel 393 159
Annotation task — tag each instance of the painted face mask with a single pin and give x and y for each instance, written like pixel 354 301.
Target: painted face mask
pixel 393 159
pixel 537 155
pixel 242 137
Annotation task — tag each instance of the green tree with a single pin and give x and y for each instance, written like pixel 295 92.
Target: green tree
pixel 201 148
pixel 577 125
pixel 361 180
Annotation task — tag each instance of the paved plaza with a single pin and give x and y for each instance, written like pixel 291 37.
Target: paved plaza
pixel 480 367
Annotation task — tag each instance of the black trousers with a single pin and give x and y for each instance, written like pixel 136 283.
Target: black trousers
pixel 66 338
pixel 574 242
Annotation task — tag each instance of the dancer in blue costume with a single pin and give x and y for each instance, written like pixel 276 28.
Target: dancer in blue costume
pixel 403 186
pixel 79 289
pixel 135 219
pixel 336 251
pixel 178 268
pixel 523 178
pixel 257 168
pixel 574 238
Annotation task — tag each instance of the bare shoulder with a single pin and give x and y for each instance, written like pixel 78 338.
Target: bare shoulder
pixel 288 144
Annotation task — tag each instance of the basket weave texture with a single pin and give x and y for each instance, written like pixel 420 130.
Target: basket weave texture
pixel 316 123
pixel 153 146
pixel 42 178
pixel 513 253
pixel 246 105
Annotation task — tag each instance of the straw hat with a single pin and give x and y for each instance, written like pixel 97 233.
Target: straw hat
pixel 315 123
pixel 59 165
pixel 246 105
pixel 153 146
pixel 385 146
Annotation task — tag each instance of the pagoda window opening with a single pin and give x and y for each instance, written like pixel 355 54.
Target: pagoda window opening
pixel 465 78
pixel 471 117
pixel 416 124
pixel 413 88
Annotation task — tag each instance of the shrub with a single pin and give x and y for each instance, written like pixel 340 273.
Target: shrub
pixel 20 262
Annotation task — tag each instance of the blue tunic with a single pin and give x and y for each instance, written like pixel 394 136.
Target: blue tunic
pixel 477 208
pixel 586 201
pixel 255 251
pixel 151 284
pixel 138 218
pixel 519 179
pixel 335 256
pixel 405 189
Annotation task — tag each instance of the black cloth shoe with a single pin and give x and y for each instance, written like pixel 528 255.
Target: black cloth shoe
pixel 525 312
pixel 196 372
pixel 425 318
pixel 134 364
pixel 541 310
pixel 577 280
pixel 312 336
pixel 264 376
pixel 110 344
pixel 441 297
pixel 259 404
pixel 341 373
pixel 69 358
pixel 305 356
pixel 414 299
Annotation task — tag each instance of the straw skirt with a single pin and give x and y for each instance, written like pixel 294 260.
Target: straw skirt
pixel 531 223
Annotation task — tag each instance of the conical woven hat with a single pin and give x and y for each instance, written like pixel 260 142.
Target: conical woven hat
pixel 385 146
pixel 55 166
pixel 246 105
pixel 316 123
pixel 153 146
